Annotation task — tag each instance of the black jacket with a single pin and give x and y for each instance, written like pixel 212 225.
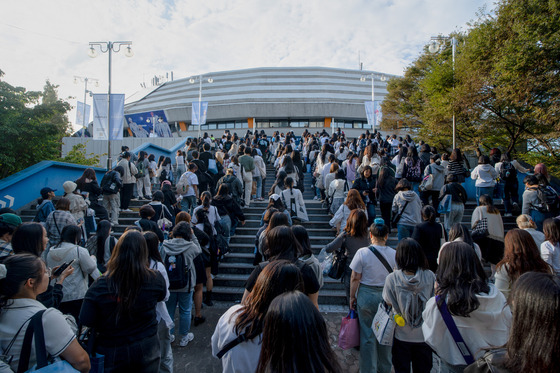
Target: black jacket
pixel 227 205
pixel 458 193
pixel 149 225
pixel 109 178
pixel 366 185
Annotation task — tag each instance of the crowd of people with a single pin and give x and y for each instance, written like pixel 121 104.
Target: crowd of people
pixel 125 292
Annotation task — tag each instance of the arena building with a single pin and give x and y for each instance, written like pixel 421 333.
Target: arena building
pixel 279 98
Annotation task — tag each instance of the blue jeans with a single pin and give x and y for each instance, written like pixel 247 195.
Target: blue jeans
pixel 374 357
pixel 404 231
pixel 483 190
pixel 371 213
pixel 258 180
pixel 184 300
pixel 226 224
pixel 188 204
pixel 539 217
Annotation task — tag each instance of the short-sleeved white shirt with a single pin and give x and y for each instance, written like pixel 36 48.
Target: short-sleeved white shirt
pixel 372 270
pixel 58 333
pixel 192 179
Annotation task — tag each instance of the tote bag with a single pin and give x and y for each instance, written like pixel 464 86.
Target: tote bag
pixel 383 324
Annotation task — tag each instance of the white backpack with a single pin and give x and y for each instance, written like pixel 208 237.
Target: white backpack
pixel 183 184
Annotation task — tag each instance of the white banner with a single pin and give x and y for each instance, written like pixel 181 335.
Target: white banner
pixel 373 113
pixel 100 130
pixel 80 118
pixel 196 118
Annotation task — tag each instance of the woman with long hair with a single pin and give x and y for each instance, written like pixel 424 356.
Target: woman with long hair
pixel 353 237
pixel 293 200
pixel 407 204
pixel 429 234
pixel 459 232
pixel 87 183
pixel 22 278
pixel 353 201
pixel 306 255
pixel 491 245
pixel 282 244
pixel 478 309
pixel 143 183
pixel 457 164
pixel 533 345
pixel 295 338
pixel 365 185
pixel 458 199
pixel 350 166
pixel 121 307
pixel 247 319
pixel 275 201
pixel 228 209
pixel 550 249
pixel 369 272
pixel 398 161
pixel 279 184
pixel 289 168
pixel 338 189
pixel 520 255
pixel 276 219
pixel 407 290
pixel 385 192
pixel 413 168
pixel 76 285
pixel 101 245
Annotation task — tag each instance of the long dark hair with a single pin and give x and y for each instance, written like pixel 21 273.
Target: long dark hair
pixel 19 268
pixel 89 173
pixel 302 236
pixel 28 239
pixel 152 242
pixel 127 270
pixel 276 278
pixel 103 231
pixel 460 277
pixel 288 164
pixel 295 338
pixel 281 243
pixel 534 341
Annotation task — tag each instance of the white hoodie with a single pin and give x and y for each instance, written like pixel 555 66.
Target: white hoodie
pixel 484 175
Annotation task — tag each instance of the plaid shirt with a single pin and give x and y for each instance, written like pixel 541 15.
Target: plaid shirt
pixel 5 249
pixel 56 221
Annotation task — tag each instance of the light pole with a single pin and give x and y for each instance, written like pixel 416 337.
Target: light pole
pixel 193 80
pixel 86 91
pixel 109 47
pixel 363 78
pixel 438 44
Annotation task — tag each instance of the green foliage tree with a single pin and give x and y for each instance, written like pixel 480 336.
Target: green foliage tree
pixel 505 88
pixel 78 155
pixel 32 128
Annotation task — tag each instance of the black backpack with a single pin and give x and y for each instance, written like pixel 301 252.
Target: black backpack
pixel 508 172
pixel 178 271
pixel 549 201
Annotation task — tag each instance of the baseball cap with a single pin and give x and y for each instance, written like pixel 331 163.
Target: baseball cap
pixel 45 191
pixel 275 197
pixel 11 219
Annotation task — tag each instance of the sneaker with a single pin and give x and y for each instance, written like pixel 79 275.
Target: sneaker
pixel 126 210
pixel 507 214
pixel 172 339
pixel 315 198
pixel 186 339
pixel 199 320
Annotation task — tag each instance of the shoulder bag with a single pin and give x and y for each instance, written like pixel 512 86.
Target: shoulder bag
pixel 397 217
pixel 452 327
pixel 339 261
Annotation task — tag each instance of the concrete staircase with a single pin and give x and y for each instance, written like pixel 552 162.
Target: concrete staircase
pixel 237 266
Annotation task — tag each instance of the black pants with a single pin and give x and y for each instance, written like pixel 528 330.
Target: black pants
pixel 405 353
pixel 434 195
pixel 385 208
pixel 139 356
pixel 100 211
pixel 126 195
pixel 72 307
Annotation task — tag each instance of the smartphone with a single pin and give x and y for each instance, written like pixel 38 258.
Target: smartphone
pixel 61 269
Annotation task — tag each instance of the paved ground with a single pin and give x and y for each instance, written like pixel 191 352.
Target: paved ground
pixel 197 356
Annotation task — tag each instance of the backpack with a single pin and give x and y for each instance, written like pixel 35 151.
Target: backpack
pixel 178 271
pixel 549 201
pixel 183 184
pixel 508 172
pixel 141 170
pixel 414 171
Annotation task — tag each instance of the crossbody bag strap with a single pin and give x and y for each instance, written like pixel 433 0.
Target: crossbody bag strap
pixel 452 327
pixel 35 327
pixel 55 223
pixel 402 211
pixel 381 259
pixel 240 339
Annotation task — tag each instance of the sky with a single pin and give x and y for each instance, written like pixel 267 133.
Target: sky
pixel 42 40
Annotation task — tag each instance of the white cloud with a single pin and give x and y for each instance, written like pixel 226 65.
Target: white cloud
pixel 49 39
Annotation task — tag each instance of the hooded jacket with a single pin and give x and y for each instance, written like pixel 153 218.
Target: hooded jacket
pixel 484 175
pixel 75 285
pixel 439 175
pixel 189 250
pixel 44 210
pixel 411 215
pixel 408 294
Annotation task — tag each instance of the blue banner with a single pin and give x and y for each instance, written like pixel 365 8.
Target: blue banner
pixel 80 118
pixel 149 124
pixel 197 106
pixel 100 130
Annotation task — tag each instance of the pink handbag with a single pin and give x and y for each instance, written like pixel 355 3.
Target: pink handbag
pixel 349 335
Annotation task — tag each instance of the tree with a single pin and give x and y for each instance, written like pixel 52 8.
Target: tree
pixel 32 130
pixel 78 155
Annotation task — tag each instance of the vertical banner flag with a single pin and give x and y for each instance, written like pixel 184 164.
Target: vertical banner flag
pixel 100 130
pixel 196 118
pixel 80 118
pixel 373 113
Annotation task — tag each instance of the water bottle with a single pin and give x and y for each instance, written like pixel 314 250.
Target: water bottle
pixel 399 320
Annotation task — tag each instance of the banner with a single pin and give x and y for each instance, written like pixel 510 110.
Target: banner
pixel 80 119
pixel 100 130
pixel 195 117
pixel 149 124
pixel 373 113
